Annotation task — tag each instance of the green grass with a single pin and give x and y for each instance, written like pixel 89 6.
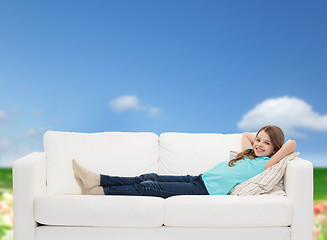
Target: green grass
pixel 320 192
pixel 5 187
pixel 320 184
pixel 5 180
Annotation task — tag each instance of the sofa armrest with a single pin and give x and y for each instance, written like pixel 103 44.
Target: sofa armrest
pixel 299 189
pixel 29 180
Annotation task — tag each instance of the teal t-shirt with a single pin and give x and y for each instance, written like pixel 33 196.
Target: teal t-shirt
pixel 222 178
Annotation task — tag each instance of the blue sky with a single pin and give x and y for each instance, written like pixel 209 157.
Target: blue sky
pixel 160 66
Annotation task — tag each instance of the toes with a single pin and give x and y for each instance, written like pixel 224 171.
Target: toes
pixel 74 164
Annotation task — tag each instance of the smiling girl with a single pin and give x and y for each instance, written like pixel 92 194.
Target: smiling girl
pixel 261 151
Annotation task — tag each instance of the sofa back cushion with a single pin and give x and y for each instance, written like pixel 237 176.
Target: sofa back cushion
pixel 195 153
pixel 114 153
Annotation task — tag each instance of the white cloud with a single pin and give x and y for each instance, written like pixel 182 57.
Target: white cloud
pixel 128 103
pixel 125 103
pixel 36 132
pixel 3 116
pixel 286 112
pixel 153 111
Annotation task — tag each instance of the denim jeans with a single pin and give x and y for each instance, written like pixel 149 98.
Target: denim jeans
pixel 152 184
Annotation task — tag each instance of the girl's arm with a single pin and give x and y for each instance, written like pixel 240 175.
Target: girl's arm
pixel 247 140
pixel 285 150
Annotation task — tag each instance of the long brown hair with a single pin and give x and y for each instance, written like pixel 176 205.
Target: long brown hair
pixel 277 139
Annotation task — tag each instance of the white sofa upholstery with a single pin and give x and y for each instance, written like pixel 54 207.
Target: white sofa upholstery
pixel 48 204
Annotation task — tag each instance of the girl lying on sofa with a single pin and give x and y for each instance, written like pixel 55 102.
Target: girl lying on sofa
pixel 261 151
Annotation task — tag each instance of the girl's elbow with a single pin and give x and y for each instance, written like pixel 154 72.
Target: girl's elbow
pixel 291 145
pixel 294 145
pixel 244 135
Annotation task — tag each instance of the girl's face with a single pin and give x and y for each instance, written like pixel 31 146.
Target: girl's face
pixel 262 145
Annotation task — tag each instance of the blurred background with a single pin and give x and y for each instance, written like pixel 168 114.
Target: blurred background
pixel 161 66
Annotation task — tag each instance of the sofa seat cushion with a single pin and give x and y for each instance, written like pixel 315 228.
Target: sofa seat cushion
pixel 228 211
pixel 100 211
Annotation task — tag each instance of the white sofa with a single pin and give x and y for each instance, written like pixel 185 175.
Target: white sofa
pixel 48 204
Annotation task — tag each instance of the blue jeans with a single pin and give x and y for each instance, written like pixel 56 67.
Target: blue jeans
pixel 152 184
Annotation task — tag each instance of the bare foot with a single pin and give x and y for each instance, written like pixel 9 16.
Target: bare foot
pixel 89 179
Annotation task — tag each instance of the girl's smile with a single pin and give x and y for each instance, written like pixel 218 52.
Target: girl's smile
pixel 262 145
